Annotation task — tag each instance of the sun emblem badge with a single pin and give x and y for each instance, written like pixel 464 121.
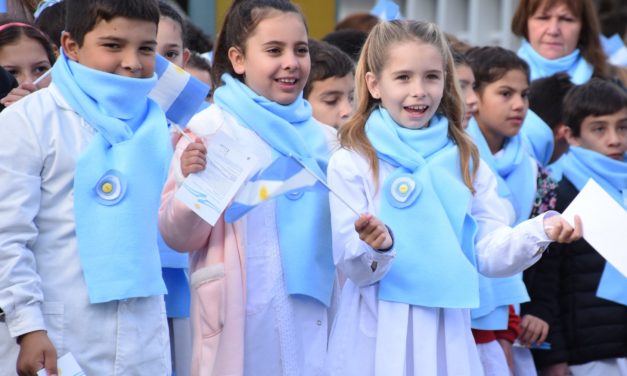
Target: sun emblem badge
pixel 111 187
pixel 402 190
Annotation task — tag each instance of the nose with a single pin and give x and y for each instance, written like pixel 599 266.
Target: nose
pixel 131 63
pixel 290 61
pixel 346 109
pixel 418 89
pixel 615 138
pixel 471 100
pixel 520 103
pixel 29 77
pixel 554 26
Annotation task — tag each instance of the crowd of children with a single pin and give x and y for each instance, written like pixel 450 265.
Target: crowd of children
pixel 395 214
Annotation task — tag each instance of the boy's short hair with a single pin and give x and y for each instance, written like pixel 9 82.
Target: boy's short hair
pixel 597 97
pixel 326 61
pixel 52 22
pixel 198 62
pixel 82 15
pixel 347 40
pixel 546 97
pixel 167 10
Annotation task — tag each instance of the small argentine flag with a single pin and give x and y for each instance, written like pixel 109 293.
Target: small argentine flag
pixel 386 10
pixel 615 49
pixel 179 94
pixel 285 175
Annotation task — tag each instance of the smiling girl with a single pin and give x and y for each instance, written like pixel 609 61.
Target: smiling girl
pixel 260 284
pixel 431 216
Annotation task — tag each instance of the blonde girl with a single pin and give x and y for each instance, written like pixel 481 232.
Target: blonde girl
pixel 261 283
pixel 432 216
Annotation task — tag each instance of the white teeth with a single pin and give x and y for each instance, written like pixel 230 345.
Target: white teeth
pixel 287 80
pixel 421 108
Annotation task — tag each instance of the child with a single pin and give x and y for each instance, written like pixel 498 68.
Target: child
pixel 200 68
pixel 50 18
pixel 466 80
pixel 331 84
pixel 546 99
pixel 569 289
pixel 26 53
pixel 82 163
pixel 260 285
pixel 502 81
pixel 171 35
pixel 406 159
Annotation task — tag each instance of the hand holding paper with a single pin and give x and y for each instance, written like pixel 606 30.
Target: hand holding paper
pixel 560 231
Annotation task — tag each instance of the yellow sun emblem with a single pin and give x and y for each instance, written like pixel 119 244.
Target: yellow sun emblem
pixel 403 188
pixel 107 187
pixel 263 193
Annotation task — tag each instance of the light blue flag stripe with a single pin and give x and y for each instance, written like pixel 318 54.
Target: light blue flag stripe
pixel 179 94
pixel 386 10
pixel 3 6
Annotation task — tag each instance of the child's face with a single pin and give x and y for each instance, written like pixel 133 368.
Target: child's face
pixel 276 61
pixel 606 134
pixel 120 46
pixel 502 108
pixel 170 42
pixel 467 83
pixel 25 59
pixel 332 99
pixel 411 84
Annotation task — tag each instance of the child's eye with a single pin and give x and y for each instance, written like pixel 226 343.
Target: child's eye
pixel 506 94
pixel 14 72
pixel 171 54
pixel 403 77
pixel 331 103
pixel 113 46
pixel 41 69
pixel 302 51
pixel 274 50
pixel 148 49
pixel 433 76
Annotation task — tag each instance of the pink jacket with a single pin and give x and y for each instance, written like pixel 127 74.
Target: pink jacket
pixel 218 281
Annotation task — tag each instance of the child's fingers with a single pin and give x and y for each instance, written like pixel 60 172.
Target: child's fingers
pixel 362 222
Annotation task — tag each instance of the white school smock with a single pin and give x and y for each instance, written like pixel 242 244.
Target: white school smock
pixel 365 335
pixel 41 280
pixel 284 335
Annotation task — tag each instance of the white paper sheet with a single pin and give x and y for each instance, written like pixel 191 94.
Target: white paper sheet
pixel 209 192
pixel 604 223
pixel 66 366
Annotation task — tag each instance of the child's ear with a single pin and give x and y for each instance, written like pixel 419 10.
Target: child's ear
pixel 561 130
pixel 237 58
pixel 373 85
pixel 570 138
pixel 70 46
pixel 186 56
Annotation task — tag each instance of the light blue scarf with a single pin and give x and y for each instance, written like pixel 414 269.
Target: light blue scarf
pixel 578 165
pixel 118 180
pixel 425 203
pixel 303 220
pixel 579 70
pixel 515 177
pixel 539 137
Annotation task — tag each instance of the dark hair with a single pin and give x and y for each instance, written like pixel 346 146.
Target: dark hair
pixel 167 10
pixel 326 61
pixel 197 39
pixel 239 23
pixel 82 15
pixel 546 95
pixel 198 62
pixel 52 22
pixel 13 33
pixel 347 40
pixel 358 21
pixel 7 83
pixel 585 11
pixel 596 97
pixel 490 64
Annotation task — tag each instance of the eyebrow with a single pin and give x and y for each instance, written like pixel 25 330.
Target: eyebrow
pixel 281 43
pixel 123 40
pixel 332 92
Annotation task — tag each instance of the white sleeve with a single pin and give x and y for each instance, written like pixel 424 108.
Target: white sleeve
pixel 21 164
pixel 353 257
pixel 502 250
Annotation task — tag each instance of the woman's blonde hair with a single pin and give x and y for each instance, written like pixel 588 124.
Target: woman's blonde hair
pixel 373 59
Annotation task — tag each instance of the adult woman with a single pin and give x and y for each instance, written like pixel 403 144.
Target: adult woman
pixel 562 35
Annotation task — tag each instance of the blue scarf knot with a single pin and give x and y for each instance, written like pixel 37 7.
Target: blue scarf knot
pixel 425 203
pixel 574 64
pixel 290 130
pixel 578 165
pixel 118 180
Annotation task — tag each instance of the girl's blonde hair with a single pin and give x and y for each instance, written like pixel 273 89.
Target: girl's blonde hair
pixel 373 59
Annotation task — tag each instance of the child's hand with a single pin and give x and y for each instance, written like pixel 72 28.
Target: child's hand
pixel 18 93
pixel 558 230
pixel 534 330
pixel 36 352
pixel 194 158
pixel 372 231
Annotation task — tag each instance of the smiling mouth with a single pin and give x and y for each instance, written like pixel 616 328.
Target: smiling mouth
pixel 287 81
pixel 418 109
